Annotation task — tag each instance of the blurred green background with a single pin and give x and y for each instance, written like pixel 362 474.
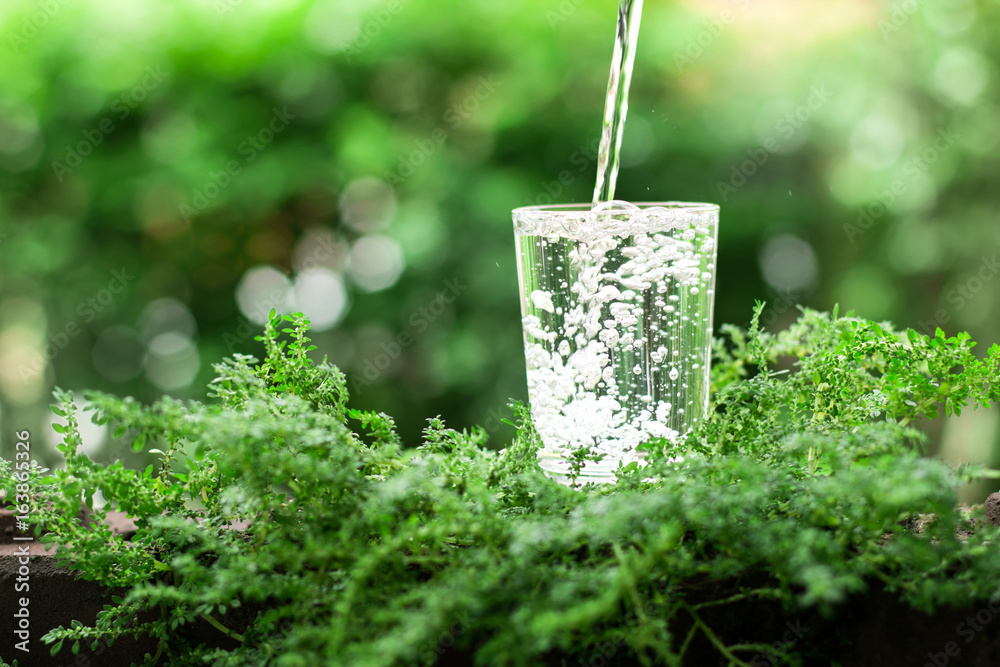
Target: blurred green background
pixel 172 169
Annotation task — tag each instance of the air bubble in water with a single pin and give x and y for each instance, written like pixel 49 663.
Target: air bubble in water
pixel 609 337
pixel 543 300
pixel 674 374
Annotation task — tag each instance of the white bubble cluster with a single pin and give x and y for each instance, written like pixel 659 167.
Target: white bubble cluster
pixel 543 300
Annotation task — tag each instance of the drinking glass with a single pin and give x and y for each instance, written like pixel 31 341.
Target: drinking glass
pixel 617 316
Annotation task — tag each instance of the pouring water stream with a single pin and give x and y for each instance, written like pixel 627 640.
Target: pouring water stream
pixel 616 105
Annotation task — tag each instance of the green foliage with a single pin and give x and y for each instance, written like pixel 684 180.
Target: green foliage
pixel 896 234
pixel 305 533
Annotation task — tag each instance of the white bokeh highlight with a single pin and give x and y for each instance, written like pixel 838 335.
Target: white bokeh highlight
pixel 788 263
pixel 376 262
pixel 262 288
pixel 173 361
pixel 321 295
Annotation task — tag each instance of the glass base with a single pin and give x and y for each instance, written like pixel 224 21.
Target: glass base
pixel 557 467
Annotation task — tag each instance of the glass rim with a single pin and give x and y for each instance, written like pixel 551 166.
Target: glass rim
pixel 692 207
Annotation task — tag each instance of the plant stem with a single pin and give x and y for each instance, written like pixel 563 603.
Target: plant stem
pixel 712 637
pixel 759 592
pixel 920 410
pixel 687 640
pixel 232 634
pixel 159 651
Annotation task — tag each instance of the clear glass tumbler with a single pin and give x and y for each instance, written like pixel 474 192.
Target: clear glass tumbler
pixel 617 316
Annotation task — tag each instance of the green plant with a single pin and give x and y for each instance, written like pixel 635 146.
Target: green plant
pixel 339 546
pixel 698 128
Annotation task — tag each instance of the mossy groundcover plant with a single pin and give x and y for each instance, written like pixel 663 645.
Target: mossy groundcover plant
pixel 337 544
